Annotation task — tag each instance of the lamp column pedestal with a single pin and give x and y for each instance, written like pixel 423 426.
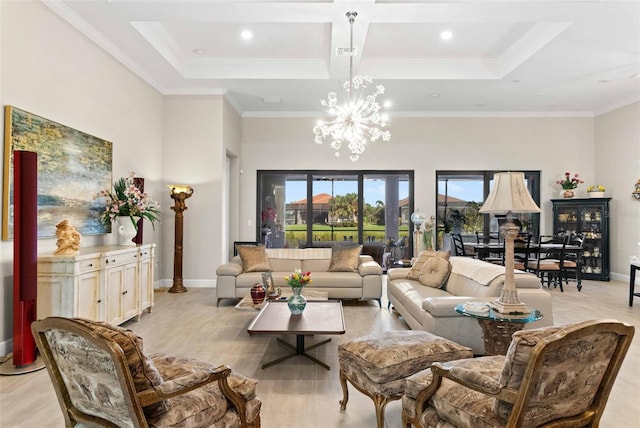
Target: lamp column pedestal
pixel 179 197
pixel 508 302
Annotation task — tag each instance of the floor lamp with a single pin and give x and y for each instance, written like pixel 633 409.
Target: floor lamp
pixel 179 193
pixel 509 195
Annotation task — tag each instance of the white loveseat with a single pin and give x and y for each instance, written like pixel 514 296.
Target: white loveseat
pixel 471 280
pixel 364 283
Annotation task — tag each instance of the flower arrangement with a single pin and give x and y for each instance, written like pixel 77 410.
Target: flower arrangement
pixel 127 200
pixel 298 278
pixel 569 182
pixel 596 188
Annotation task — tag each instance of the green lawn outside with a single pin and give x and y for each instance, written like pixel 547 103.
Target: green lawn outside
pixel 322 232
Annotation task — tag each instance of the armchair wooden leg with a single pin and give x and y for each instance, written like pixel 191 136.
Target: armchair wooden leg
pixel 345 392
pixel 380 402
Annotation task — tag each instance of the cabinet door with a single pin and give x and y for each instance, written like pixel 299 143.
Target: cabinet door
pixel 566 219
pixel 114 280
pixel 592 218
pixel 146 283
pixel 89 302
pixel 130 291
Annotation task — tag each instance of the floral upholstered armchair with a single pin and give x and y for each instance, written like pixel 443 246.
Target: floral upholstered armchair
pixel 553 376
pixel 102 377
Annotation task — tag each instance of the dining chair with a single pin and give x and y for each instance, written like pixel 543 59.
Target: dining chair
pixel 458 245
pixel 545 262
pixel 522 251
pixel 571 261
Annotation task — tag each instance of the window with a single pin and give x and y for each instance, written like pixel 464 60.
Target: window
pixel 298 209
pixel 461 195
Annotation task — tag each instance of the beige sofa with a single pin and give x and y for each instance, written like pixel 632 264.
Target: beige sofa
pixel 471 280
pixel 364 283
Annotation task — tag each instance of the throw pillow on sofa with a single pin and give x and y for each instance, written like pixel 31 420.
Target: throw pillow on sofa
pixel 345 258
pixel 254 259
pixel 416 269
pixel 435 272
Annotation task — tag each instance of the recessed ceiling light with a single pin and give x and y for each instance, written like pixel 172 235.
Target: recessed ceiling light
pixel 540 93
pixel 553 105
pixel 446 35
pixel 198 51
pixel 603 81
pixel 516 81
pixel 479 105
pixel 435 95
pixel 386 104
pixel 246 35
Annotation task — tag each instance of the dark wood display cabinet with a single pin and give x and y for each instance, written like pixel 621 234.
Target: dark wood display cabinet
pixel 588 218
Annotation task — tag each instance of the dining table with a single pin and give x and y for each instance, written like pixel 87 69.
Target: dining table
pixel 483 250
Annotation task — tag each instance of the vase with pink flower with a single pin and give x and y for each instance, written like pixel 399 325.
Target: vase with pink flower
pixel 569 183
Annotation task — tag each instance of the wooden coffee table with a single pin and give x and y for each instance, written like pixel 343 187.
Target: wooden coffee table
pixel 319 317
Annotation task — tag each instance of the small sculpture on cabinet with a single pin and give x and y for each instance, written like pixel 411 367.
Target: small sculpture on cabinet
pixel 68 243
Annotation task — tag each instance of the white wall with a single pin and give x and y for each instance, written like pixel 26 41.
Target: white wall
pixel 552 145
pixel 49 69
pixel 192 155
pixel 617 166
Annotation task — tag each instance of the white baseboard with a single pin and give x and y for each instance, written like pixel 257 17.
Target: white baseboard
pixel 624 278
pixel 193 283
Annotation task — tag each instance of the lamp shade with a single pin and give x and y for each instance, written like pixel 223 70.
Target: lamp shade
pixel 509 194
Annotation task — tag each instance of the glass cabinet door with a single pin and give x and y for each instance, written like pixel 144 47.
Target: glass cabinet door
pixel 567 220
pixel 591 219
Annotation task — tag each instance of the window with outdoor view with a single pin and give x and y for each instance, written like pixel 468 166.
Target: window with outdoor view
pixel 298 209
pixel 460 195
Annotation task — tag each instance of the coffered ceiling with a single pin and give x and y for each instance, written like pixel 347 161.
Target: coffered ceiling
pixel 504 57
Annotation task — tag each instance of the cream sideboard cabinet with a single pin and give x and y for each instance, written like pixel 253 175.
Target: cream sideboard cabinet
pixel 108 283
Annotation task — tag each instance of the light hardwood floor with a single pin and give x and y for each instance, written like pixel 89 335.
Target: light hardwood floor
pixel 298 393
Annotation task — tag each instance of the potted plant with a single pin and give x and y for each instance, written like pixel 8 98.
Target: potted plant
pixel 596 191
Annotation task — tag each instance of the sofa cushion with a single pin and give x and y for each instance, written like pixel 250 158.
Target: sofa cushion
pixel 254 259
pixel 416 269
pixel 345 258
pixel 435 272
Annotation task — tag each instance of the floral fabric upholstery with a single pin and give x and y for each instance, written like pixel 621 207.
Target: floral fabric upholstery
pixel 380 363
pixel 90 377
pixel 143 372
pixel 482 367
pixel 567 379
pixel 203 406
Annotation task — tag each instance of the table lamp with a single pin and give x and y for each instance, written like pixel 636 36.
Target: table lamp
pixel 509 195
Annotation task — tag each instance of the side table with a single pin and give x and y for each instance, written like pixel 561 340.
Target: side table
pixel 632 281
pixel 498 328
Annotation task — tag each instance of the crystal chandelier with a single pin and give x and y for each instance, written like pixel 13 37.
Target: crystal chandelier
pixel 357 120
